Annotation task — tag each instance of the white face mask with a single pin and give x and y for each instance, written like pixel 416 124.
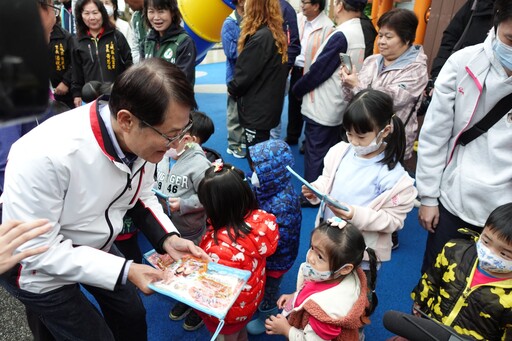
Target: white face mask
pixel 490 262
pixel 173 153
pixel 312 275
pixel 503 53
pixel 372 147
pixel 110 10
pixel 254 180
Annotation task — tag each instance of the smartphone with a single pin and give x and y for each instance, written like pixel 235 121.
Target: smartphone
pixel 346 61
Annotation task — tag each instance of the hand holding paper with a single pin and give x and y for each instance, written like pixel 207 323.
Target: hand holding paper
pixel 324 197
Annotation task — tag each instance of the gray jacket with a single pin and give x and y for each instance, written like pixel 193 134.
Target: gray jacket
pixel 182 181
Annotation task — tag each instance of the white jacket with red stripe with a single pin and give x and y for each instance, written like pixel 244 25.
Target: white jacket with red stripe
pixel 67 170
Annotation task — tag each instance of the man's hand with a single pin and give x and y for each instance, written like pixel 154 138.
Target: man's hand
pixel 14 233
pixel 277 325
pixel 178 247
pixel 429 217
pixel 141 275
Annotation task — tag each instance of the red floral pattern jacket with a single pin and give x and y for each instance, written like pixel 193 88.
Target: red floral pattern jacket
pixel 248 253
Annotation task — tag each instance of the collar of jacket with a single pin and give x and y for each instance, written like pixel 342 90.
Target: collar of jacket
pixel 100 132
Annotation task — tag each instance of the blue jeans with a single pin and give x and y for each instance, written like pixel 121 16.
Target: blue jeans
pixel 66 313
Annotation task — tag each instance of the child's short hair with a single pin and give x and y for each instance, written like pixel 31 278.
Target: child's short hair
pixel 500 222
pixel 202 126
pixel 227 199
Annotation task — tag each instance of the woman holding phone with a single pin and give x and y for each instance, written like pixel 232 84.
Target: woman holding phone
pixel 400 70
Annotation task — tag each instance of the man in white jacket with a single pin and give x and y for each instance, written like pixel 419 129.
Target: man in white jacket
pixel 322 101
pixel 83 171
pixel 460 185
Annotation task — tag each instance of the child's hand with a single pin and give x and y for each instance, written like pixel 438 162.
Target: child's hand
pixel 277 325
pixel 174 204
pixel 342 213
pixel 284 299
pixel 306 192
pixel 415 308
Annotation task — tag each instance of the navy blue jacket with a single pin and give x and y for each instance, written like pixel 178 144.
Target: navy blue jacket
pixel 276 195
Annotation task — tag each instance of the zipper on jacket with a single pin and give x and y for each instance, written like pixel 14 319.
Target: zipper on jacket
pixel 107 219
pixel 95 40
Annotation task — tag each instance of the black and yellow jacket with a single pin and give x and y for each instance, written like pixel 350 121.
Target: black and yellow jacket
pixel 99 59
pixel 483 312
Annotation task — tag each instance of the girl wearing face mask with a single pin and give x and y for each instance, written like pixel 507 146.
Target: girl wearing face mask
pixel 331 301
pixel 469 286
pixel 366 174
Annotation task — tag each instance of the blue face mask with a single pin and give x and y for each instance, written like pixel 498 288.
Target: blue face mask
pixel 503 53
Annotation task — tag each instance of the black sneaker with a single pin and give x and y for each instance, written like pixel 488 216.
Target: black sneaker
pixel 179 311
pixel 192 322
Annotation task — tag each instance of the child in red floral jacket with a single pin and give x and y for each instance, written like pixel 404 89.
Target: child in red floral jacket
pixel 238 235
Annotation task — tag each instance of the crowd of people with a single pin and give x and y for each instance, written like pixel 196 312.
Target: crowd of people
pixel 127 156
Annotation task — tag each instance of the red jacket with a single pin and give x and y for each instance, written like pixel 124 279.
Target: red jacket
pixel 248 253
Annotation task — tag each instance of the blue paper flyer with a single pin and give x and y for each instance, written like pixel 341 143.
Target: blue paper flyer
pixel 320 195
pixel 207 286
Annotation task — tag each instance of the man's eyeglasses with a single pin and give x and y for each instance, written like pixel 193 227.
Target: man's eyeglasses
pixel 170 140
pixel 56 9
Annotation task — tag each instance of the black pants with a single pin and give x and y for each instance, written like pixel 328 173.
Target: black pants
pixel 445 231
pixel 295 122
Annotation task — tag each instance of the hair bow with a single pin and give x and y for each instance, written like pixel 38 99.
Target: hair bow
pixel 337 222
pixel 217 164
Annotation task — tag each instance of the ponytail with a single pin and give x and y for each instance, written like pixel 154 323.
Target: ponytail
pixel 395 149
pixel 372 282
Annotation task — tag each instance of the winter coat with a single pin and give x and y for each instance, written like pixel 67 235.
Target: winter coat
pixel 80 184
pixel 182 181
pixel 230 33
pixel 176 47
pixel 99 59
pixel 481 22
pixel 259 82
pixel 483 312
pixel 404 80
pixel 248 253
pixel 319 88
pixel 470 181
pixel 60 50
pixel 342 306
pixel 276 195
pixel 384 215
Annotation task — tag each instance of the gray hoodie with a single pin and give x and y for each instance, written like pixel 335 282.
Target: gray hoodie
pixel 182 181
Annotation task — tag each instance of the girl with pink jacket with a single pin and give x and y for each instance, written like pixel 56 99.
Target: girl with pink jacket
pixel 366 175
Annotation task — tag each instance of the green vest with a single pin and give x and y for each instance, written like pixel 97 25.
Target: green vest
pixel 168 49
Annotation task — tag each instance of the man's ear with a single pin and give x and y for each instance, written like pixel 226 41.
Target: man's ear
pixel 125 120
